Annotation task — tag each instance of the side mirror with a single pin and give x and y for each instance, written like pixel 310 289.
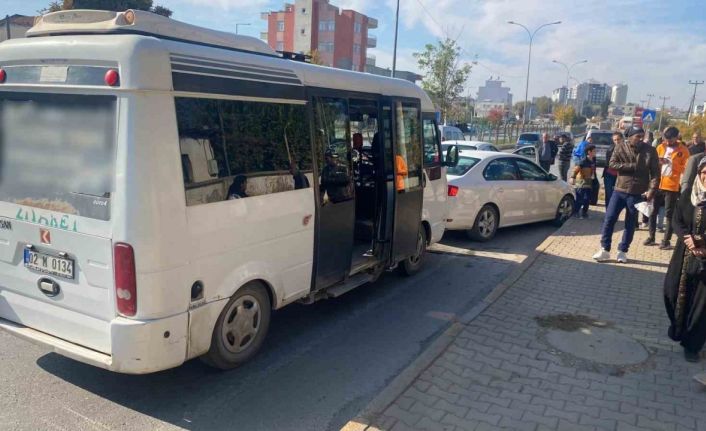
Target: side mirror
pixel 451 159
pixel 552 177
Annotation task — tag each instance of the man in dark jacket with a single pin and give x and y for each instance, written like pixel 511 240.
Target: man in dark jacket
pixel 638 177
pixel 696 145
pixel 565 151
pixel 547 152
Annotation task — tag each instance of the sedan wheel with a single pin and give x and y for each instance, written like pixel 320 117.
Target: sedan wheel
pixel 486 224
pixel 565 210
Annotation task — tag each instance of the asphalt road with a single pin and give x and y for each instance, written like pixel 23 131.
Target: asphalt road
pixel 321 364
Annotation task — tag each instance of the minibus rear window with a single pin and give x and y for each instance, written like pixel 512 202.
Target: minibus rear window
pixel 57 152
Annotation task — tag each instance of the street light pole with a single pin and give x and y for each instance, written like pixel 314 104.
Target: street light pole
pixel 394 50
pixel 529 60
pixel 568 74
pixel 649 100
pixel 661 112
pixel 238 24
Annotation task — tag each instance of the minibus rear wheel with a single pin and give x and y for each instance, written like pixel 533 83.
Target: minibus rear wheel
pixel 241 327
pixel 413 264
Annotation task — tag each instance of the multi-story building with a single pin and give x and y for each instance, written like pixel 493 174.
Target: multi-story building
pixel 559 95
pixel 491 96
pixel 18 26
pixel 340 37
pixel 619 94
pixel 589 93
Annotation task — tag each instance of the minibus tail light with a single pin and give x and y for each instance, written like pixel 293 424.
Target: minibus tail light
pixel 125 279
pixel 112 78
pixel 453 191
pixel 3 76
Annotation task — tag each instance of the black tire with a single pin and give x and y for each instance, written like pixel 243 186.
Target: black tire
pixel 413 264
pixel 486 225
pixel 230 349
pixel 565 210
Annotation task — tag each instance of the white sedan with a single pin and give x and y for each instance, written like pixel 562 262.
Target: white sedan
pixel 489 190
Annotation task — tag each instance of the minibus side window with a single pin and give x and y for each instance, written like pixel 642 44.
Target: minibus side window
pixel 235 149
pixel 407 156
pixel 431 147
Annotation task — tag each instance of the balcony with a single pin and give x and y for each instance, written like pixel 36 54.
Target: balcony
pixel 372 23
pixel 372 42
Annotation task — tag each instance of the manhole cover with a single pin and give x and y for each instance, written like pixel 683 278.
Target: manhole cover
pixel 601 345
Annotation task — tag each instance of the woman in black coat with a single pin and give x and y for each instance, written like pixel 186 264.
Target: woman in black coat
pixel 685 282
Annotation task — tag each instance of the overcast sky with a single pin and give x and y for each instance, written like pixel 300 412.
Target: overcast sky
pixel 654 46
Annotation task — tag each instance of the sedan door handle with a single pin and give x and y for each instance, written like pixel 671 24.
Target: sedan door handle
pixel 500 189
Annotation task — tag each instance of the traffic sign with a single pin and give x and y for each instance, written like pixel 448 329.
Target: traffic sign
pixel 649 115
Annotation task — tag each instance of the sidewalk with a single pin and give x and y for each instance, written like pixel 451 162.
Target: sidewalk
pixel 565 343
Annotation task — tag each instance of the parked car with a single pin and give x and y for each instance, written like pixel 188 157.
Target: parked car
pixel 489 190
pixel 451 133
pixel 528 139
pixel 602 139
pixel 472 146
pixel 528 151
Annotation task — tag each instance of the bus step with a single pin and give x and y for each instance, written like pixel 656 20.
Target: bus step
pixel 350 284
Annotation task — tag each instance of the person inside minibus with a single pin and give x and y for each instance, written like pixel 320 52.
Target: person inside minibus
pixel 334 179
pixel 237 190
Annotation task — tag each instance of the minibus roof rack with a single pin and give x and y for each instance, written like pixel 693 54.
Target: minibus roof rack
pixel 296 56
pixel 141 22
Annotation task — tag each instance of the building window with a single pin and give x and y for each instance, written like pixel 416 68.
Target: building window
pixel 325 46
pixel 280 46
pixel 226 141
pixel 280 25
pixel 357 27
pixel 327 25
pixel 304 10
pixel 356 48
pixel 302 31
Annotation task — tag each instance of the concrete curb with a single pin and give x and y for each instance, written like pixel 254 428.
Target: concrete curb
pixel 405 379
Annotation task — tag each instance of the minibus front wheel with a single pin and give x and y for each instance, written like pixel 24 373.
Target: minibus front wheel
pixel 241 327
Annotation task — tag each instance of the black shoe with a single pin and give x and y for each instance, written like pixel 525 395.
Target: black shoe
pixel 691 356
pixel 665 246
pixel 649 241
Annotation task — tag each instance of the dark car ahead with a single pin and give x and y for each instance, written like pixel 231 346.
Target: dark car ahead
pixel 602 139
pixel 528 139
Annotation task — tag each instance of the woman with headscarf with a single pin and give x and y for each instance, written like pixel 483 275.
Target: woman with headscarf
pixel 685 282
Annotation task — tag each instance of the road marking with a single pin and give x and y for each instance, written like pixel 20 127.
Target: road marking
pixel 458 251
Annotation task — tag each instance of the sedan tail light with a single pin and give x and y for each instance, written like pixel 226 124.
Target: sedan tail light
pixel 453 190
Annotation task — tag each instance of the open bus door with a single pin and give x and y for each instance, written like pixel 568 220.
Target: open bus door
pixel 408 187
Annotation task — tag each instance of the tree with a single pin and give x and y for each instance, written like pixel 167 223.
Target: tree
pixel 544 105
pixel 519 109
pixel 113 5
pixel 565 114
pixel 495 117
pixel 315 57
pixel 444 73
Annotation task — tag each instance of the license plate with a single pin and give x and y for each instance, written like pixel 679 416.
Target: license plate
pixel 49 264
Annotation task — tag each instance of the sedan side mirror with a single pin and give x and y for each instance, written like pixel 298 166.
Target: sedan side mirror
pixel 552 177
pixel 451 159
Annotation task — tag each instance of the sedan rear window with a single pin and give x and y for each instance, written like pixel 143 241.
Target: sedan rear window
pixel 464 165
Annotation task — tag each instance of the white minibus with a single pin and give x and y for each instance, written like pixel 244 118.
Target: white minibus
pixel 164 187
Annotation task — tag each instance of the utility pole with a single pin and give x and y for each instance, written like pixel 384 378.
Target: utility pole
pixel 693 99
pixel 661 112
pixel 7 26
pixel 394 50
pixel 649 100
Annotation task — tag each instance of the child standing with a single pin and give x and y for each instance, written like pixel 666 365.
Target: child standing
pixel 582 179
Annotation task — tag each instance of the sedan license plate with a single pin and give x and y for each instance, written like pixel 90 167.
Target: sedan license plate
pixel 49 264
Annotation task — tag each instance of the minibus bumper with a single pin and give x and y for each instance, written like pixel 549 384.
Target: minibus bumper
pixel 139 347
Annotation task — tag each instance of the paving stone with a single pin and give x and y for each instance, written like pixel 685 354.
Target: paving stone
pixel 426 411
pixel 519 425
pixel 454 409
pixel 459 422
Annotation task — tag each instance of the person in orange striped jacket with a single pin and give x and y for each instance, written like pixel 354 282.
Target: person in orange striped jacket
pixel 673 156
